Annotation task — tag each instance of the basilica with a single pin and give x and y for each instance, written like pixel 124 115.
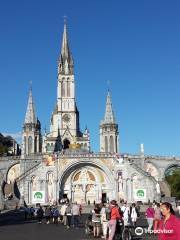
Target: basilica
pixel 60 163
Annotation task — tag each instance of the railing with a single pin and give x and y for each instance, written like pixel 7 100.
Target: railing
pixel 9 158
pixel 29 171
pixel 143 171
pixel 91 154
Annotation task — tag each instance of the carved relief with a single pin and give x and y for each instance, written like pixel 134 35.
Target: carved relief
pixel 50 187
pixel 35 183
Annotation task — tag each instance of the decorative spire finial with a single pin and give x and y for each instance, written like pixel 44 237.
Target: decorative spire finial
pixel 108 85
pixel 65 19
pixel 30 84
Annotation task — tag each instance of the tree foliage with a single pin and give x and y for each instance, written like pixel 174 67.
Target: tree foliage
pixel 5 144
pixel 174 181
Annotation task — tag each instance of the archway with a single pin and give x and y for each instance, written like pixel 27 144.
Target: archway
pixel 86 182
pixel 66 143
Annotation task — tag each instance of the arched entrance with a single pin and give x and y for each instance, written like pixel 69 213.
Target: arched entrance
pixel 86 183
pixel 66 143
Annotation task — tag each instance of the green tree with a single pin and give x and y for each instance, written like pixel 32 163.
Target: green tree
pixel 5 144
pixel 174 181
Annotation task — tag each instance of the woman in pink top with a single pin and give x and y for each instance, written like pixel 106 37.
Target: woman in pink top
pixel 169 226
pixel 150 217
pixel 157 216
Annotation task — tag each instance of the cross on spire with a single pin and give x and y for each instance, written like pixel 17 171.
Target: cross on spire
pixel 108 84
pixel 65 19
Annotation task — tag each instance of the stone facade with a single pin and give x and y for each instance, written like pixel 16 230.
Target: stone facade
pixel 87 177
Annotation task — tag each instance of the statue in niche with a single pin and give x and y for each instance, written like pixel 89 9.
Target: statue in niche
pixel 135 182
pixel 120 182
pixel 158 188
pixel 35 183
pixel 50 187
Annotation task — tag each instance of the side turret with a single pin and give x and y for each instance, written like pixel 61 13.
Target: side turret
pixel 109 135
pixel 31 136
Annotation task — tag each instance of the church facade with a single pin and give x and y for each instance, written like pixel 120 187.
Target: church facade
pixel 61 164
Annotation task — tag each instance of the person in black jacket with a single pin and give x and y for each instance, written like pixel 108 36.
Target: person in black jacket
pixel 40 214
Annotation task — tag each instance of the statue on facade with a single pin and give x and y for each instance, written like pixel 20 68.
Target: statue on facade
pixel 35 183
pixel 50 187
pixel 135 182
pixel 158 188
pixel 120 182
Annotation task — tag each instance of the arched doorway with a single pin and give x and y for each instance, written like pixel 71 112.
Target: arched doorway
pixel 66 143
pixel 86 182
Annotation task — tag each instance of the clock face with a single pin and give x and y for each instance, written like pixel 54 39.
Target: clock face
pixel 66 118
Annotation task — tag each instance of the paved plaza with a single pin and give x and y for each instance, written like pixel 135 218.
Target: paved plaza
pixel 31 230
pixel 35 231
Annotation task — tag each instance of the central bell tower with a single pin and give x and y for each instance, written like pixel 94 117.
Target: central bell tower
pixel 66 105
pixel 65 117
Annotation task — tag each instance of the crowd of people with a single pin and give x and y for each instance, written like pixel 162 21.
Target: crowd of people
pixel 104 219
pixel 111 217
pixel 66 213
pixel 161 219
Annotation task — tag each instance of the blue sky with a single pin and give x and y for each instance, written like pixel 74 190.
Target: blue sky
pixel 133 44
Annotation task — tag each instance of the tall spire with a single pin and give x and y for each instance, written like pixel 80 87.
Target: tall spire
pixel 109 135
pixel 66 60
pixel 109 114
pixel 65 51
pixel 30 112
